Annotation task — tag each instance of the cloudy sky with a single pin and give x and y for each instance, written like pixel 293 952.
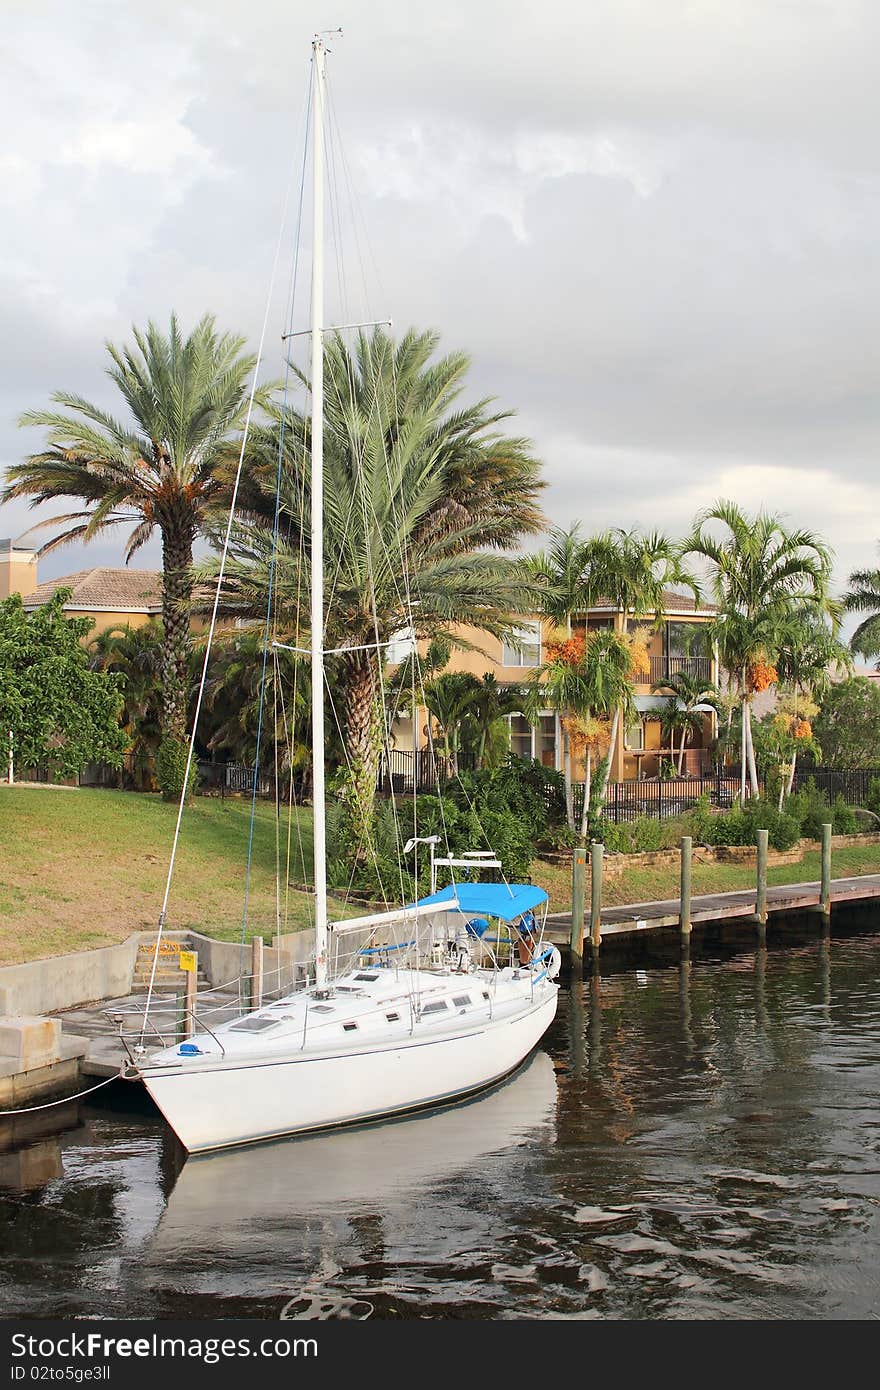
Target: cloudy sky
pixel 653 223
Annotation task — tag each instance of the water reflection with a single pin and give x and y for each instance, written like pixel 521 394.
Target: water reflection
pixel 700 1140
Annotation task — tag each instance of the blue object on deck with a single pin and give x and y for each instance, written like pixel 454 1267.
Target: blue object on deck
pixel 505 900
pixel 189 1050
pixel 477 926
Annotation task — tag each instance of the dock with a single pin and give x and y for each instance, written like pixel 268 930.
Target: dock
pixel 634 918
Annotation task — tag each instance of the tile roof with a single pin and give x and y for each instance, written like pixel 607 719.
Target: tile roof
pixel 104 589
pixel 672 603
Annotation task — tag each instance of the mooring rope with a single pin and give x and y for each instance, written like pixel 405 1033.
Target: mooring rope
pixel 65 1100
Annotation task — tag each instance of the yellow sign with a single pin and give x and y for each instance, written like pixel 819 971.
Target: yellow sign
pixel 189 960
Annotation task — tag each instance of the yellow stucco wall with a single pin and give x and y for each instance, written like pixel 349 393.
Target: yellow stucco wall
pixel 18 573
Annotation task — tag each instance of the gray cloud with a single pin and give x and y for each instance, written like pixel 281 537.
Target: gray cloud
pixel 652 224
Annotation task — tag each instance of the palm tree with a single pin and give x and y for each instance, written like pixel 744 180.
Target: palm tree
pixel 565 578
pixel 135 653
pixel 490 705
pixel 688 697
pixel 419 497
pixel 238 702
pixel 863 596
pixel 638 570
pixel 809 649
pixel 449 700
pixel 759 573
pixel 585 679
pixel 187 401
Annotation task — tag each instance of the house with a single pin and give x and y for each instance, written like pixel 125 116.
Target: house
pixel 110 597
pixel 680 644
pixel 114 597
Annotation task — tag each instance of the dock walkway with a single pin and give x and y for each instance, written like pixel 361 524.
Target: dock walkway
pixel 632 918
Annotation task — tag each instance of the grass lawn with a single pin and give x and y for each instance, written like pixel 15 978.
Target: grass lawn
pixel 86 868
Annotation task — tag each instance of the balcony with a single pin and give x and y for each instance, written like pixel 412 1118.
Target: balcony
pixel 699 667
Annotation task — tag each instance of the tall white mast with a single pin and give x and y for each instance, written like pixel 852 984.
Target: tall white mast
pixel 317 490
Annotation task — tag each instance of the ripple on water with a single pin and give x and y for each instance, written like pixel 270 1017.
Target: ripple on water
pixel 705 1145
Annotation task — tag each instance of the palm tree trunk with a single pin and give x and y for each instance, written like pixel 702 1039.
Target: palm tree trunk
pixel 361 730
pixel 753 771
pixel 566 772
pixel 791 774
pixel 585 810
pixel 603 790
pixel 177 544
pixel 743 754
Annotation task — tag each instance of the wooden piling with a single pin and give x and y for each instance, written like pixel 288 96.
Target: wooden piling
pixel 192 978
pixel 684 905
pixel 596 853
pixel 825 889
pixel 257 972
pixel 578 901
pixel 761 878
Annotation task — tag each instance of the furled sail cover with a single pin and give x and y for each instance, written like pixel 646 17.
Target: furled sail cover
pixel 505 900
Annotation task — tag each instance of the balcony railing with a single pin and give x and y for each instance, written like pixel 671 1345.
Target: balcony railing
pixel 662 667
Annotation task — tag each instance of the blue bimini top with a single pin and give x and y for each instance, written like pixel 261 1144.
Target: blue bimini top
pixel 504 900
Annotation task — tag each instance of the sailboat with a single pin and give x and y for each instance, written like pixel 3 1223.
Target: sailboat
pixel 437 1000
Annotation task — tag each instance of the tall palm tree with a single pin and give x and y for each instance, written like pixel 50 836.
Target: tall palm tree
pixel 420 495
pixel 863 596
pixel 628 570
pixel 639 569
pixel 564 579
pixel 186 402
pixel 809 651
pixel 760 573
pixel 585 679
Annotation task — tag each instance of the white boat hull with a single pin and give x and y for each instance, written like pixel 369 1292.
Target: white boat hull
pixel 240 1102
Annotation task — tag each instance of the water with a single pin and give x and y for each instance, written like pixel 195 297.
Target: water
pixel 691 1141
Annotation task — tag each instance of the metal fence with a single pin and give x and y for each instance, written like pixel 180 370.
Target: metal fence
pixel 397 768
pixel 852 783
pixel 661 798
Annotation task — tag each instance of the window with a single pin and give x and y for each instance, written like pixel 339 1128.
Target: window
pixel 402 645
pixel 545 740
pixel 686 640
pixel 520 736
pixel 349 1027
pixel 435 1006
pixel 321 1009
pixel 635 735
pixel 524 647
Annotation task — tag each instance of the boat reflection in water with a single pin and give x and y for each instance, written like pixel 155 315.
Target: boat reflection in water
pixel 308 1207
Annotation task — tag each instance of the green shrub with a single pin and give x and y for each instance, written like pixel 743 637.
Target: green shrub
pixel 640 836
pixel 844 820
pixel 739 826
pixel 171 769
pixel 810 808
